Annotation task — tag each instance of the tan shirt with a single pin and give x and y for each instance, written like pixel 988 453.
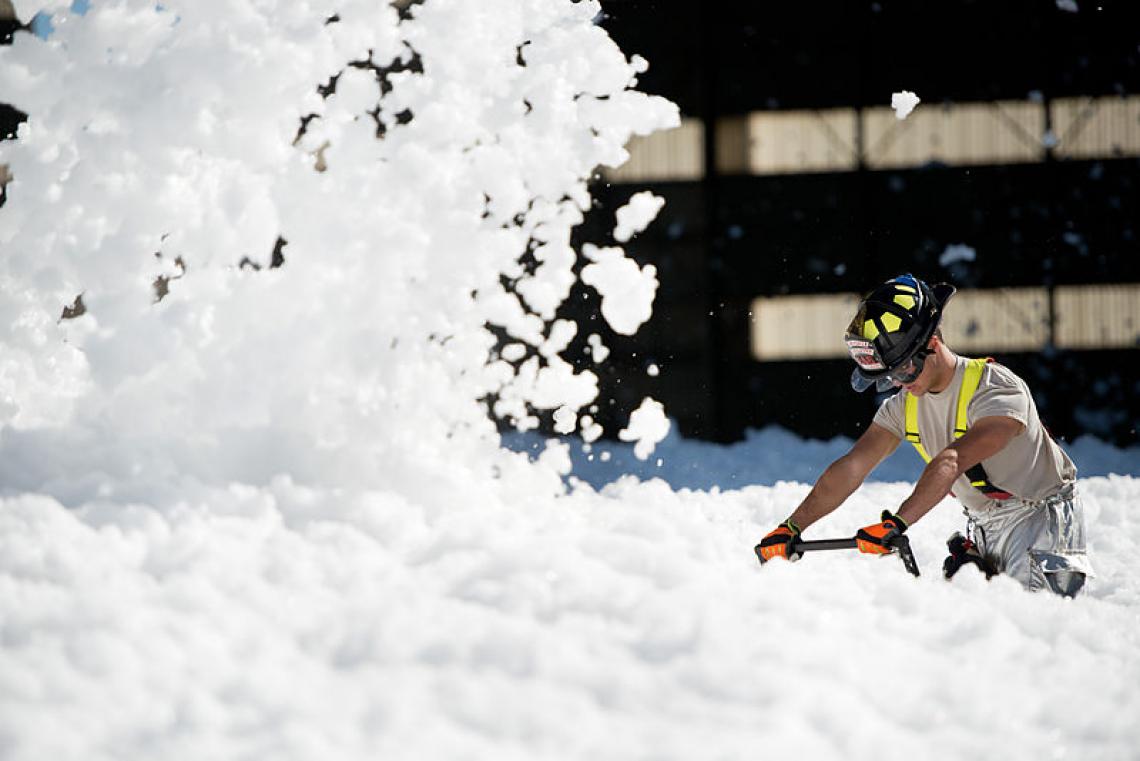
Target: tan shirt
pixel 1031 466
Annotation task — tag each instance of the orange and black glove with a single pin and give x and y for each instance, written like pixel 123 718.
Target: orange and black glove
pixel 780 543
pixel 876 539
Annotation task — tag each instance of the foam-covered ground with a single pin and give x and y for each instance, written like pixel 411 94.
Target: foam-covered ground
pixel 628 623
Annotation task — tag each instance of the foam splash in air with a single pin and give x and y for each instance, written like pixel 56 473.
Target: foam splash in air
pixel 903 103
pixel 336 232
pixel 636 214
pixel 647 427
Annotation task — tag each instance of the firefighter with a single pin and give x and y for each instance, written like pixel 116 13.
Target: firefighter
pixel 976 425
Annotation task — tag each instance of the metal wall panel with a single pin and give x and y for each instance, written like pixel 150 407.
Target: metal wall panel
pixel 828 140
pixel 670 155
pixel 1097 127
pixel 803 141
pixel 801 327
pixel 1000 320
pixel 977 321
pixel 1096 317
pixel 1001 132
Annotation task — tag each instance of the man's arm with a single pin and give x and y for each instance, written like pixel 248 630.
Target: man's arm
pixel 844 475
pixel 985 437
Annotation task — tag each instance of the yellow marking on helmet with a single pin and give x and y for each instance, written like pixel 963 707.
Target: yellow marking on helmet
pixel 904 287
pixel 870 330
pixel 891 322
pixel 904 301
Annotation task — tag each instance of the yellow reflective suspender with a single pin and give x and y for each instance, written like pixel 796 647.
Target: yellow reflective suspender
pixel 970 381
pixel 912 425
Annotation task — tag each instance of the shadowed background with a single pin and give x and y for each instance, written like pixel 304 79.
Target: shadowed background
pixel 1015 179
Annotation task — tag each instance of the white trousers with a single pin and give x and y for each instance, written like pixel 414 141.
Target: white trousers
pixel 1041 543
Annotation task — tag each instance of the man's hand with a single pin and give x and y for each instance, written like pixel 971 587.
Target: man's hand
pixel 779 543
pixel 876 539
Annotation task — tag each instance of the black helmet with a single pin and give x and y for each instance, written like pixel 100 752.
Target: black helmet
pixel 893 325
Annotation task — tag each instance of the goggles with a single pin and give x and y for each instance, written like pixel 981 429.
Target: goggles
pixel 909 371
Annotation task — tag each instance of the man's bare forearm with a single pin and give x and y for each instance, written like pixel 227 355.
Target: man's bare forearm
pixel 933 485
pixel 833 487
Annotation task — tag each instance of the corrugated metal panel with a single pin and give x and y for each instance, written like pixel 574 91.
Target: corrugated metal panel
pixel 801 327
pixel 803 141
pixel 671 155
pixel 977 321
pixel 1097 127
pixel 1098 316
pixel 1002 132
pixel 1005 319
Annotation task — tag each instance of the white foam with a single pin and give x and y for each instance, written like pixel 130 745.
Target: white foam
pixel 903 103
pixel 957 252
pixel 636 214
pixel 647 427
pixel 627 290
pixel 268 515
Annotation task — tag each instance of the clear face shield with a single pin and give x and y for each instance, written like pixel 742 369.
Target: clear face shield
pixel 870 368
pixel 861 382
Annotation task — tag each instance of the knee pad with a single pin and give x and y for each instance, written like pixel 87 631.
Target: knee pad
pixel 1065 583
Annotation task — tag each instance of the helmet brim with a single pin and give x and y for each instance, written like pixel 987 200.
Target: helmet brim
pixel 860 381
